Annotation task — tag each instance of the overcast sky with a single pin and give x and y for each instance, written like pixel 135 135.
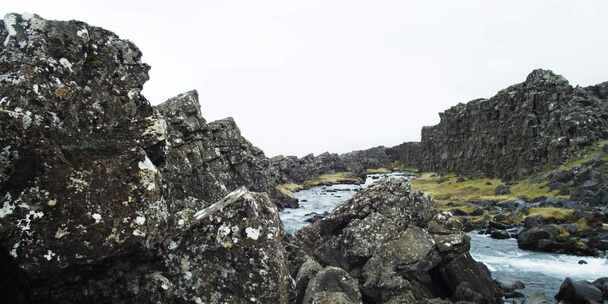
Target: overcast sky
pixel 314 76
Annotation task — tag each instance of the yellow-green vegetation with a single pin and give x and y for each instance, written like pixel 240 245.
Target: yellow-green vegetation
pixel 289 189
pixel 553 213
pixel 401 167
pixel 332 178
pixel 377 171
pixel 450 188
pixel 325 179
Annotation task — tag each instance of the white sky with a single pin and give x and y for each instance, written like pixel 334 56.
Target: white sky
pixel 314 76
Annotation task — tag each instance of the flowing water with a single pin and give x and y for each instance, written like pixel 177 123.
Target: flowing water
pixel 540 272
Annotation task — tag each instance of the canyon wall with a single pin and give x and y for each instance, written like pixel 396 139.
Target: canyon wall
pixel 522 129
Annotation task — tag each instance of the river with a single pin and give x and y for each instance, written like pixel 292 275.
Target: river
pixel 540 272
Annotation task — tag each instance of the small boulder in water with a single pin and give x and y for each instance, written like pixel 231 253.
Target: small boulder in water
pixel 582 262
pixel 575 292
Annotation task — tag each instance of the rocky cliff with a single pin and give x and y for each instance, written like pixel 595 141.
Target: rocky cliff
pixel 104 199
pixel 297 170
pixel 522 129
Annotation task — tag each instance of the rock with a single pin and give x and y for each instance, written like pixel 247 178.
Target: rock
pixel 575 292
pixel 390 239
pixel 231 253
pixel 602 284
pixel 332 285
pixel 500 234
pixel 509 286
pixel 205 161
pixel 105 199
pixel 308 271
pixel 550 238
pixel 544 120
pixel 81 147
pixel 582 262
pixel 502 189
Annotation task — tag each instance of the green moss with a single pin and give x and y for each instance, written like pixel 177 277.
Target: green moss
pixel 398 166
pixel 289 189
pixel 553 213
pixel 448 188
pixel 377 171
pixel 331 179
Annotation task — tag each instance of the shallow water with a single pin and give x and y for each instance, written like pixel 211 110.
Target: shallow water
pixel 540 272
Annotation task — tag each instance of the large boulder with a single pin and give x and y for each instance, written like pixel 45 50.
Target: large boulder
pixel 79 182
pixel 332 285
pixel 231 253
pixel 205 160
pixel 98 203
pixel 579 292
pixel 390 239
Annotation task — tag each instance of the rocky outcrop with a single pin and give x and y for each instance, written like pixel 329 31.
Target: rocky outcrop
pixel 79 182
pixel 582 292
pixel 105 200
pixel 399 250
pixel 296 170
pixel 207 160
pixel 522 129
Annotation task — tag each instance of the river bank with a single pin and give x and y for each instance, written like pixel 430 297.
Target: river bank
pixel 540 272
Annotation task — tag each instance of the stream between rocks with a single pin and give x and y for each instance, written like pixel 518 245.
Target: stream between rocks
pixel 540 272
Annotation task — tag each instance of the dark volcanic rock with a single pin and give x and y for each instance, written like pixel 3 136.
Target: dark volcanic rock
pixel 231 253
pixel 101 197
pixel 391 240
pixel 579 292
pixel 79 181
pixel 522 129
pixel 205 161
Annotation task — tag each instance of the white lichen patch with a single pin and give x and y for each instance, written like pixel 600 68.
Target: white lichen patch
pixel 83 33
pixel 157 128
pixel 14 249
pixel 139 233
pixel 78 181
pixel 52 203
pixel 140 220
pixel 10 22
pixel 66 63
pixel 7 209
pixel 252 233
pixel 49 255
pixel 96 217
pixel 148 173
pixel 61 232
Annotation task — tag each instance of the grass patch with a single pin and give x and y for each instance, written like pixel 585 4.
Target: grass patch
pixel 332 179
pixel 377 171
pixel 449 188
pixel 289 189
pixel 553 213
pixel 400 167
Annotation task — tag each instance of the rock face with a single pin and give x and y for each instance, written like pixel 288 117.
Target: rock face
pixel 205 161
pixel 77 181
pixel 399 250
pixel 296 170
pixel 105 200
pixel 520 130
